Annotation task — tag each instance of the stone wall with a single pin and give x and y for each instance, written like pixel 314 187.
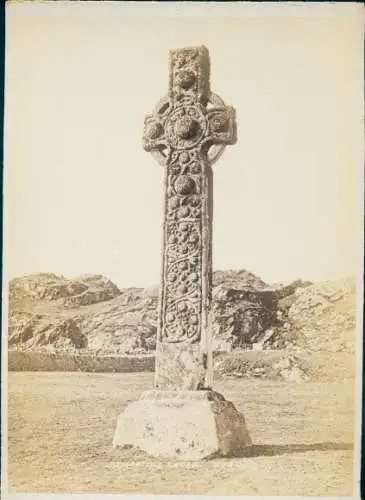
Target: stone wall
pixel 52 362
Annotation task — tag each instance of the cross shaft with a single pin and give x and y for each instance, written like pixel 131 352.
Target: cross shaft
pixel 186 133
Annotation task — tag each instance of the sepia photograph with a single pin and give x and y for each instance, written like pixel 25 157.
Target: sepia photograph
pixel 183 249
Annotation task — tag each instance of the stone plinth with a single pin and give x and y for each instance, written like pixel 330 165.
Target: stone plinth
pixel 183 425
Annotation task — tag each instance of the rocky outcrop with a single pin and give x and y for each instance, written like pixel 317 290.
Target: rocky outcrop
pixel 81 291
pixel 123 324
pixel 91 314
pixel 249 313
pixel 36 330
pixel 272 365
pixel 238 280
pixel 325 315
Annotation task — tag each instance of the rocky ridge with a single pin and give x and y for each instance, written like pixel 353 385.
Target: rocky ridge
pixel 90 314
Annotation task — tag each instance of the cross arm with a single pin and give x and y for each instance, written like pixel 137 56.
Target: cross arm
pixel 222 128
pixel 153 134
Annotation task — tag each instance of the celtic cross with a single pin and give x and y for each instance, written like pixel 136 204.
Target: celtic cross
pixel 187 132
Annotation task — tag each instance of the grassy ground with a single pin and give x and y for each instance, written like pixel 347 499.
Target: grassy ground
pixel 61 425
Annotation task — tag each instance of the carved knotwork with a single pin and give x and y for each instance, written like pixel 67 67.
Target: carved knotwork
pixel 187 132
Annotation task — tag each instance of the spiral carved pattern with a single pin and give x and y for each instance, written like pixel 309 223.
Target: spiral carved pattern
pixel 182 301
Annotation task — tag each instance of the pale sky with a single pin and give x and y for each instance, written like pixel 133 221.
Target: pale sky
pixel 82 196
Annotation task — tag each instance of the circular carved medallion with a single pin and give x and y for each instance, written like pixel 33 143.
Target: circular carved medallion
pixel 182 326
pixel 219 123
pixel 154 130
pixel 185 127
pixel 184 185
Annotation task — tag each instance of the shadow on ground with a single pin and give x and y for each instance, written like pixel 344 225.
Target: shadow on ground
pixel 269 450
pixel 257 450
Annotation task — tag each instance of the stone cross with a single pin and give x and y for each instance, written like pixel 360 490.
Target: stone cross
pixel 186 133
pixel 183 418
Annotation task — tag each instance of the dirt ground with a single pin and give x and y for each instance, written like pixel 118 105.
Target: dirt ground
pixel 61 425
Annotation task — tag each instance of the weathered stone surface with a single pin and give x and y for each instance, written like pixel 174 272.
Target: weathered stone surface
pixel 184 369
pixel 183 425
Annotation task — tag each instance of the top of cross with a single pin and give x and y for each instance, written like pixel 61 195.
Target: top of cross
pixel 190 116
pixel 189 75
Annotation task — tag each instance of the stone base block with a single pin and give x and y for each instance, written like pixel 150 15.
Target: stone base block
pixel 184 425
